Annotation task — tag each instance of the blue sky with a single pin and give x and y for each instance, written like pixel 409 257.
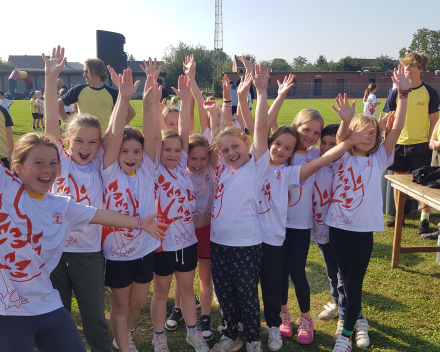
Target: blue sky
pixel 266 29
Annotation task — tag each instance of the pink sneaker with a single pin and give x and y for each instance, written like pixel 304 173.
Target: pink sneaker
pixel 286 325
pixel 305 331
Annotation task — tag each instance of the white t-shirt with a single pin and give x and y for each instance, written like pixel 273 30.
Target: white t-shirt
pixel 32 237
pixel 356 192
pixel 83 183
pixel 299 211
pixel 132 196
pixel 176 202
pixel 5 103
pixel 235 213
pixel 204 190
pixel 322 190
pixel 369 108
pixel 272 212
pixel 207 134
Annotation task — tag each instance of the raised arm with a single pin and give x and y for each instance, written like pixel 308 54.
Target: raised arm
pixel 242 92
pixel 247 63
pixel 150 100
pixel 401 80
pixel 184 92
pixel 53 67
pixel 226 116
pixel 116 133
pixel 345 113
pixel 261 79
pixel 283 89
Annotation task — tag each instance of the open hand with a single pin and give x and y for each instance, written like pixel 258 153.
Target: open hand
pixel 183 88
pixel 150 68
pixel 364 136
pixel 386 122
pixel 247 63
pixel 153 227
pixel 189 67
pixel 55 64
pixel 344 110
pixel 400 78
pixel 126 86
pixel 260 77
pixel 283 88
pixel 113 75
pixel 434 145
pixel 152 92
pixel 245 84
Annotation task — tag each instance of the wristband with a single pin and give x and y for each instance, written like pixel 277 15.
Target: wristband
pixel 402 94
pixel 139 227
pixel 227 107
pixel 226 101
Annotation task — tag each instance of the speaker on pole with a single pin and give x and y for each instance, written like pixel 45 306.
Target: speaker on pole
pixel 110 49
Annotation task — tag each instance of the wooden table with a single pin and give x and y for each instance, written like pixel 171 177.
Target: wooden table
pixel 406 188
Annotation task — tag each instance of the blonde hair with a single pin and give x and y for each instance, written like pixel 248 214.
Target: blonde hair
pixel 168 134
pixel 196 140
pixel 166 110
pixel 229 131
pixel 174 102
pixel 82 121
pixel 371 87
pixel 419 59
pixel 306 115
pixel 360 120
pixel 26 143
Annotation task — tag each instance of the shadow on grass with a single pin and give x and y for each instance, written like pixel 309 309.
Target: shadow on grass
pixel 384 251
pixel 382 303
pixel 385 338
pixel 433 275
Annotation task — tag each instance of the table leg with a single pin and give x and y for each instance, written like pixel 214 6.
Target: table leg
pixel 398 229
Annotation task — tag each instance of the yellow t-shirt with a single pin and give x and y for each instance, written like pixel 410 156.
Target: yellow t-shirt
pixel 34 107
pixel 5 121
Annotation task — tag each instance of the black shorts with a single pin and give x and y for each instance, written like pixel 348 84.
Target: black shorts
pixel 41 116
pixel 120 273
pixel 234 110
pixel 166 263
pixel 35 115
pixel 411 157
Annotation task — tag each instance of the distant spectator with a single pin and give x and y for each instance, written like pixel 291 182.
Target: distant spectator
pixel 251 89
pixel 39 101
pixel 60 84
pixel 164 91
pixel 6 103
pixel 370 100
pixel 175 103
pixel 34 111
pixel 234 97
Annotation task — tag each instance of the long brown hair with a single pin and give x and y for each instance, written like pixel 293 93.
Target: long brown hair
pixel 285 130
pixel 371 87
pixel 360 120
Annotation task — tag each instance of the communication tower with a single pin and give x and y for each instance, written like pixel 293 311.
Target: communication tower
pixel 218 36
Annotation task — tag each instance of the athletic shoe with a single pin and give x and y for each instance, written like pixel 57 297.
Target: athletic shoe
pixel 160 343
pixel 254 347
pixel 423 227
pixel 197 341
pixel 223 327
pixel 330 311
pixel 362 339
pixel 34 128
pixel 343 344
pixel 173 319
pixel 227 345
pixel 392 222
pixel 430 235
pixel 275 341
pixel 205 327
pixel 339 329
pixel 305 331
pixel 131 345
pixel 38 129
pixel 286 325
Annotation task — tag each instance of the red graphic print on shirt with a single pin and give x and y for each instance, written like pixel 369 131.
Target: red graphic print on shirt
pixel 115 199
pixel 16 265
pixel 265 192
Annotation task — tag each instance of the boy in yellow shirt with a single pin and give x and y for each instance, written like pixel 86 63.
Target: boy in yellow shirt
pixel 34 111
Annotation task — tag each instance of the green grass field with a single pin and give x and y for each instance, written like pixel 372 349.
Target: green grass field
pixel 402 305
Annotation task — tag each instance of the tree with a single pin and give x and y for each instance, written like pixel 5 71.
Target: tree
pixel 299 63
pixel 131 57
pixel 6 65
pixel 428 42
pixel 321 63
pixel 280 65
pixel 385 63
pixel 349 63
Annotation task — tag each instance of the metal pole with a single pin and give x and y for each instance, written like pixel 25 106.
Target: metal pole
pixel 311 89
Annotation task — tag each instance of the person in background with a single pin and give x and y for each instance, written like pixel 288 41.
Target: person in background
pixel 6 137
pixel 34 111
pixel 175 103
pixel 370 100
pixel 6 103
pixel 40 107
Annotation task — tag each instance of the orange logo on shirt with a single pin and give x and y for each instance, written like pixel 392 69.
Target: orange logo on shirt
pixel 58 217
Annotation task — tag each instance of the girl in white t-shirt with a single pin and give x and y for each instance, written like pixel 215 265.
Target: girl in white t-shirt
pixel 356 206
pixel 370 100
pixel 36 226
pixel 177 253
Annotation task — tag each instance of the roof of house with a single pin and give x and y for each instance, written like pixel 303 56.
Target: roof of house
pixel 35 63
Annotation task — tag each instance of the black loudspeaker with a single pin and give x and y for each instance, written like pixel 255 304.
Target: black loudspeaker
pixel 110 49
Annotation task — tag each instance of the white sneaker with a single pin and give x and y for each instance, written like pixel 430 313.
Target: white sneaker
pixel 227 345
pixel 275 341
pixel 330 311
pixel 251 347
pixel 362 339
pixel 339 329
pixel 343 344
pixel 197 341
pixel 131 345
pixel 160 343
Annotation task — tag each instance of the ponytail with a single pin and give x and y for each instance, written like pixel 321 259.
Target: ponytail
pixel 371 86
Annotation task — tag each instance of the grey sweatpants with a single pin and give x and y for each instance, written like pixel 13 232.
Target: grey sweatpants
pixel 84 274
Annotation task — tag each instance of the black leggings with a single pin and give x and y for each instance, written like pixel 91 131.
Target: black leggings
pixel 270 278
pixel 295 251
pixel 352 251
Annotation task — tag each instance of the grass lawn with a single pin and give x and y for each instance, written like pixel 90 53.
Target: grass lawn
pixel 402 305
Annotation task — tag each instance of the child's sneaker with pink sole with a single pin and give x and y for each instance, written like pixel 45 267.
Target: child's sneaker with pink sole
pixel 286 325
pixel 305 331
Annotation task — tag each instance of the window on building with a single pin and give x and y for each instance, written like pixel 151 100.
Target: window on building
pixel 318 87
